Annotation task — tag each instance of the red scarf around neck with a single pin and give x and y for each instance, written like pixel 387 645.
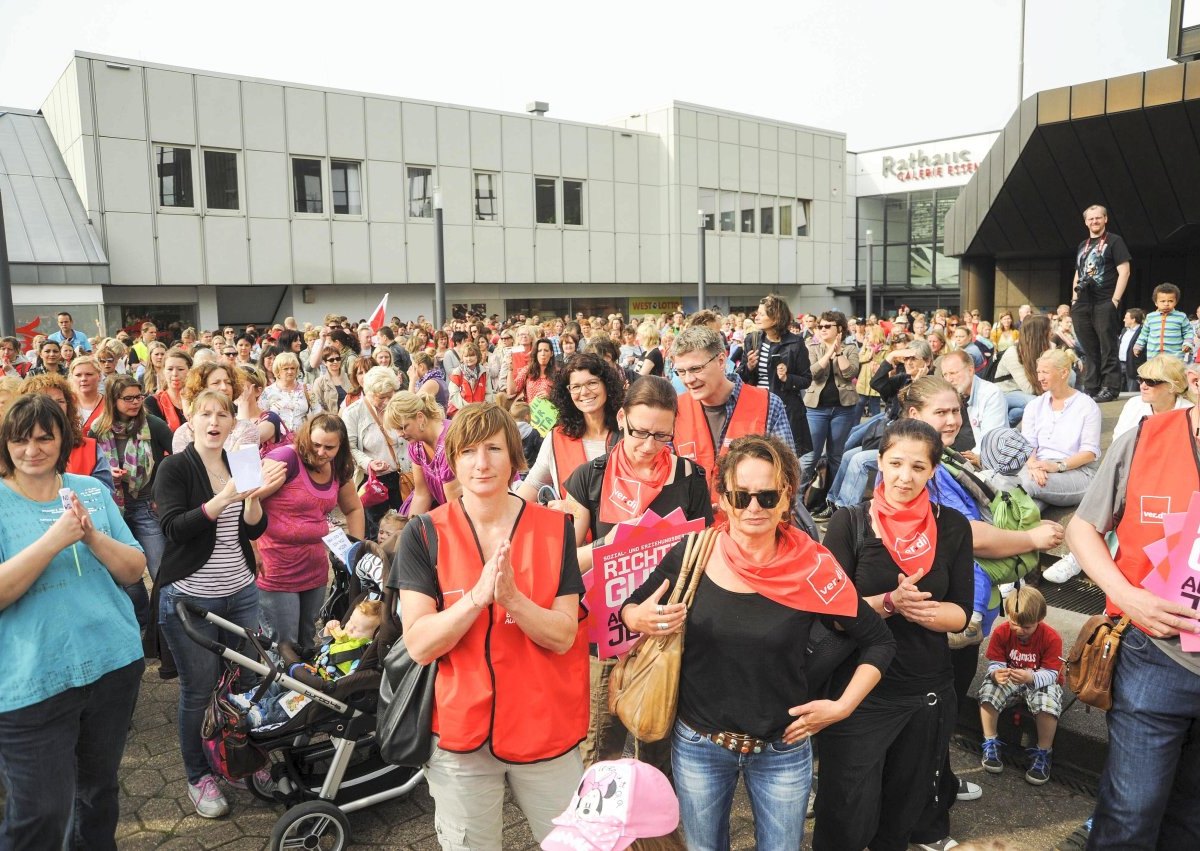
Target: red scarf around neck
pixel 626 495
pixel 909 533
pixel 803 575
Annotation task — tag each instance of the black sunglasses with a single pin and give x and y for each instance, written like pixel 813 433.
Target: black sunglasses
pixel 766 499
pixel 333 360
pixel 1152 382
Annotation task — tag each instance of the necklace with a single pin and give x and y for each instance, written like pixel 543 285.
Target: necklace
pixel 216 477
pixel 21 490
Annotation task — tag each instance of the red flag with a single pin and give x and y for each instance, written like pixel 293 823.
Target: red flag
pixel 377 318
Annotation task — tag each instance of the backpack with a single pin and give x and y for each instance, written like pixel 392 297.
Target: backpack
pixel 1012 510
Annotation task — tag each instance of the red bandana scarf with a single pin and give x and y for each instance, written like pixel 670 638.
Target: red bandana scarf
pixel 909 533
pixel 625 495
pixel 803 575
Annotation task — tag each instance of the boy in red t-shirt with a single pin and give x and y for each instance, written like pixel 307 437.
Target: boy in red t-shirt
pixel 1025 659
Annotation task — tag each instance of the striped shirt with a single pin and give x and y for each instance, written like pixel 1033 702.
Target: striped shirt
pixel 764 362
pixel 1165 333
pixel 226 571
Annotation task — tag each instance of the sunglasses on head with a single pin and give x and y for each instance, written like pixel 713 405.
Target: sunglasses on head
pixel 766 499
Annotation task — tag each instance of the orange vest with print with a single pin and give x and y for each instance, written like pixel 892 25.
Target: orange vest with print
pixel 569 456
pixel 1160 482
pixel 82 460
pixel 693 439
pixel 496 687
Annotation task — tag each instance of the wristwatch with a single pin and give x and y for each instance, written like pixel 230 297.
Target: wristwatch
pixel 888 605
pixel 1062 467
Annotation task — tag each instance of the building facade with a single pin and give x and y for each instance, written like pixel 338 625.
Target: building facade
pixel 219 199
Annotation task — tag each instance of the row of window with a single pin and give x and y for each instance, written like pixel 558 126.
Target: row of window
pixel 747 212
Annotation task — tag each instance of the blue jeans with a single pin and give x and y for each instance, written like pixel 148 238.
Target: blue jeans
pixel 855 438
pixel 147 531
pixel 868 405
pixel 59 761
pixel 777 782
pixel 200 669
pixel 1016 401
pixel 829 427
pixel 291 615
pixel 1147 793
pixel 858 468
pixel 983 596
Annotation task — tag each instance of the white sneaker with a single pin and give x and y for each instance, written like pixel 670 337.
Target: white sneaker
pixel 941 845
pixel 1062 570
pixel 207 798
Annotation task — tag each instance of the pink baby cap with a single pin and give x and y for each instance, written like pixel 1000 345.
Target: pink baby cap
pixel 617 802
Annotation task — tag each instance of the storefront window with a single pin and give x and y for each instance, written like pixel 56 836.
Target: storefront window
pixel 34 319
pixel 171 319
pixel 920 265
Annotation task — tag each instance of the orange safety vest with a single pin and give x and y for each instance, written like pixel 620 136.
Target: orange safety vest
pixel 1159 483
pixel 470 394
pixel 93 416
pixel 82 460
pixel 497 687
pixel 568 457
pixel 170 415
pixel 693 440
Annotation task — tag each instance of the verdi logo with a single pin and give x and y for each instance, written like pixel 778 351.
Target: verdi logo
pixel 914 547
pixel 1154 508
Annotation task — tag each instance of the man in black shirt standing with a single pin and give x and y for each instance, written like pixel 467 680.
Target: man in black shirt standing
pixel 1101 274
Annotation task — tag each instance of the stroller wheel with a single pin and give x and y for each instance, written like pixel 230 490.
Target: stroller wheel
pixel 312 825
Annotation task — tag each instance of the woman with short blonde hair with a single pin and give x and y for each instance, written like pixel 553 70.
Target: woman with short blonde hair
pixel 288 396
pixel 423 424
pixel 378 450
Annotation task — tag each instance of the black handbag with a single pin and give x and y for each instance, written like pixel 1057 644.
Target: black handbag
pixel 828 648
pixel 404 720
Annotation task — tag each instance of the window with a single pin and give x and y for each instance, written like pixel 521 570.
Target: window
pixel 345 180
pixel 785 219
pixel 728 211
pixel 802 217
pixel 174 177
pixel 487 207
pixel 306 179
pixel 573 202
pixel 221 180
pixel 708 208
pixel 544 200
pixel 766 219
pixel 420 192
pixel 747 219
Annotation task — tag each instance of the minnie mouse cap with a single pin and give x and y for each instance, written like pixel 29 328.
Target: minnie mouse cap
pixel 617 803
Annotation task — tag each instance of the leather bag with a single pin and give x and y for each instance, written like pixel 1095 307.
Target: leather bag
pixel 643 688
pixel 1093 658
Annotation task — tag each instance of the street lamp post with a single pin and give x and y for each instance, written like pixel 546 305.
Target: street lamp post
pixel 701 267
pixel 439 262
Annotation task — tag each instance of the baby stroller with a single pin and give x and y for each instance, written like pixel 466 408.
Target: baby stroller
pixel 324 761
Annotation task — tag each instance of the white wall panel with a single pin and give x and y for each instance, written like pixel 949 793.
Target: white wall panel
pixel 126 182
pixel 485 141
pixel 600 205
pixel 179 262
pixel 750 266
pixel 454 137
pixel 768 253
pixel 262 117
pixel 748 169
pixel 653 252
pixel 603 258
pixel 346 126
pixel 270 251
pixel 728 129
pixel 685 161
pixel 768 137
pixel 383 130
pixel 457 197
pixel 730 160
pixel 768 172
pixel 387 253
pixel 305 121
pixel 625 197
pixel 708 169
pixel 713 261
pixel 836 265
pixel 804 143
pixel 120 106
pixel 575 151
pixel 518 255
pixel 787 140
pixel 419 247
pixel 628 259
pixel 787 261
pixel 575 262
pixel 707 126
pixel 687 256
pixel 516 144
pixel 804 261
pixel 821 179
pixel 386 191
pixel 219 111
pixel 130 245
pixel 787 175
pixel 351 253
pixel 625 158
pixel 419 123
pixel 652 160
pixel 687 122
pixel 546 158
pixel 489 255
pixel 600 154
pixel 649 219
pixel 547 255
pixel 821 263
pixel 460 255
pixel 268 184
pixel 516 200
pixel 171 106
pixel 731 260
pixel 225 250
pixel 311 255
pixel 748 134
pixel 804 177
pixel 820 146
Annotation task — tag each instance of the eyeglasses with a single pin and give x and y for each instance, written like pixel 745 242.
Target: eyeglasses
pixel 333 360
pixel 1152 382
pixel 766 499
pixel 825 326
pixel 695 370
pixel 107 360
pixel 642 434
pixel 590 386
pixel 132 399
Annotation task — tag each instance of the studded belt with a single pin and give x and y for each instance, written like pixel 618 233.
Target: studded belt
pixel 737 742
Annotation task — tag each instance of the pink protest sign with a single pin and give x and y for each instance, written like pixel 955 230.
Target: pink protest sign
pixel 1177 577
pixel 621 567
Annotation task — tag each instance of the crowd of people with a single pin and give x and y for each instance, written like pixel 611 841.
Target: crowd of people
pixel 488 457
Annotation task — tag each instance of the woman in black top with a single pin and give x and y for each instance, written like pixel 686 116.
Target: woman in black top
pixel 776 358
pixel 662 483
pixel 744 701
pixel 879 767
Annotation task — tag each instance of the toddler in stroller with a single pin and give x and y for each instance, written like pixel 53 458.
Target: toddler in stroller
pixel 341 650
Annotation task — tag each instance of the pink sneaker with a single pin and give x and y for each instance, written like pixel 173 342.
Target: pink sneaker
pixel 207 798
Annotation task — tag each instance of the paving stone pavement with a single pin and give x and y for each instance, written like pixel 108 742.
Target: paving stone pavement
pixel 156 813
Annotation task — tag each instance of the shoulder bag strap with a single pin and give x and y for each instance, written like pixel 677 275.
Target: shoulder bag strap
pixel 703 550
pixel 387 440
pixel 429 536
pixel 685 569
